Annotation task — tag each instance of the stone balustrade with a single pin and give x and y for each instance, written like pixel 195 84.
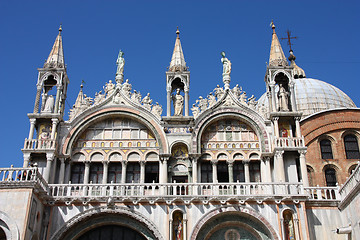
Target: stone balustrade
pixel 39 145
pixel 288 142
pixel 350 183
pixel 176 191
pixel 323 193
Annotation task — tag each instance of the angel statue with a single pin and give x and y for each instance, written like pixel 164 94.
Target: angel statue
pixel 226 64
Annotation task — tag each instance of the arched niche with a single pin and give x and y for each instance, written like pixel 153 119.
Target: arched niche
pixel 179 150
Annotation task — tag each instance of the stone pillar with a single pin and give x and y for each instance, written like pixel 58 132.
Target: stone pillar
pixel 49 160
pixel 273 99
pixel 68 172
pixel 268 94
pixel 142 171
pixel 87 172
pixel 123 171
pixel 276 126
pixel 292 97
pixel 195 169
pixel 43 101
pixel 57 100
pixel 37 99
pixel 32 128
pixel 168 99
pixel 105 173
pixel 303 168
pixel 186 102
pixel 214 170
pixel 26 160
pixel 267 170
pixel 297 126
pixel 53 129
pixel 231 171
pixel 62 170
pixel 263 170
pixel 246 170
pixel 279 166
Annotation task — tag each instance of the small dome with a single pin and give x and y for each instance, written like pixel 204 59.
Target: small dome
pixel 313 96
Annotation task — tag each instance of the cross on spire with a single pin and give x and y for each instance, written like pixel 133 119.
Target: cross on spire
pixel 289 38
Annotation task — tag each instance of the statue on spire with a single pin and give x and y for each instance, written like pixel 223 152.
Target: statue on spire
pixel 120 62
pixel 226 64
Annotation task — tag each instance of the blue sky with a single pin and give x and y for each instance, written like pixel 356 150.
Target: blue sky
pixel 327 47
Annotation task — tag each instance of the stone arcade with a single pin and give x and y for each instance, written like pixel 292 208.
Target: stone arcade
pixel 230 167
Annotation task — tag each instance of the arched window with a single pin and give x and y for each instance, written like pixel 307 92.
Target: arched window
pixel 133 172
pixel 325 148
pixel 352 169
pixel 222 171
pixel 238 169
pixel 351 147
pixel 206 172
pixel 152 172
pixel 115 170
pixel 254 170
pixel 178 225
pixel 96 172
pixel 330 177
pixel 77 173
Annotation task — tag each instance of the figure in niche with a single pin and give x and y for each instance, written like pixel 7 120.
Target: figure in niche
pixel 147 102
pixel 178 102
pixel 109 88
pixel 283 97
pixel 44 135
pixel 226 64
pixel 49 104
pixel 289 226
pixel 178 226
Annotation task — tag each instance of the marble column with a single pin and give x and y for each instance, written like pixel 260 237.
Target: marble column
pixel 68 172
pixel 26 160
pixel 57 100
pixel 123 171
pixel 186 102
pixel 292 97
pixel 279 166
pixel 195 169
pixel 62 170
pixel 303 168
pixel 246 170
pixel 273 99
pixel 267 170
pixel 297 126
pixel 142 171
pixel 168 109
pixel 106 170
pixel 87 172
pixel 37 99
pixel 214 171
pixel 276 126
pixel 53 129
pixel 32 128
pixel 49 160
pixel 268 94
pixel 231 171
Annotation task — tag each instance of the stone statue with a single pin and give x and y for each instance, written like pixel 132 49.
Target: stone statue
pixel 126 88
pixel 283 97
pixel 147 102
pixel 136 97
pixel 120 62
pixel 157 110
pixel 203 103
pixel 87 101
pixel 49 104
pixel 243 98
pixel 226 64
pixel 211 99
pixel 251 101
pixel 195 110
pixel 219 92
pixel 178 102
pixel 99 97
pixel 237 91
pixel 109 88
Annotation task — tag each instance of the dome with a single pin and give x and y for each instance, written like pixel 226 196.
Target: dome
pixel 313 96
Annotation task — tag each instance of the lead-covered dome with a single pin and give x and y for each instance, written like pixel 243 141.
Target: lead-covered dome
pixel 313 96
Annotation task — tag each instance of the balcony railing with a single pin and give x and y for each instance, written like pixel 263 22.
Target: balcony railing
pixel 287 142
pixel 323 193
pixel 173 191
pixel 22 177
pixel 39 145
pixel 350 183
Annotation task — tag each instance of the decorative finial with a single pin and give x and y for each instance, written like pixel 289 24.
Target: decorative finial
pixel 60 28
pixel 177 32
pixel 82 84
pixel 272 25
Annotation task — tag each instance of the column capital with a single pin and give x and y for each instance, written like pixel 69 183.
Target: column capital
pixel 265 159
pixel 302 152
pixel 230 161
pixel 246 161
pixel 164 157
pixel 214 161
pixel 279 153
pixel 275 118
pixel 87 162
pixel 297 118
pixel 50 156
pixel 32 120
pixel 142 162
pixel 124 162
pixel 105 162
pixel 55 120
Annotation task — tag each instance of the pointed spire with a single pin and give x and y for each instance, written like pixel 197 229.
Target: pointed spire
pixel 177 61
pixel 80 97
pixel 56 56
pixel 298 71
pixel 277 56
